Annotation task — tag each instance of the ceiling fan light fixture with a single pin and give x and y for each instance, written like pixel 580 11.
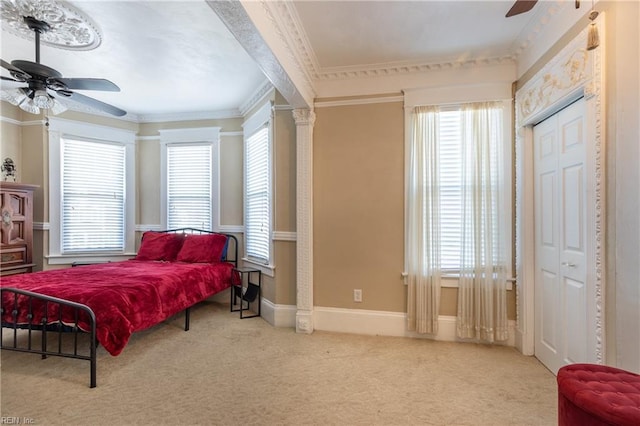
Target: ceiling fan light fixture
pixel 13 96
pixel 29 106
pixel 41 99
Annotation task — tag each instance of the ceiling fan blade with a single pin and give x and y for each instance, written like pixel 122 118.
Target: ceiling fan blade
pixel 14 70
pixel 10 83
pixel 93 103
pixel 521 6
pixel 89 84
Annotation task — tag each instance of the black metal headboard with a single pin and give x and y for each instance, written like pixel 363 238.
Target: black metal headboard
pixel 231 254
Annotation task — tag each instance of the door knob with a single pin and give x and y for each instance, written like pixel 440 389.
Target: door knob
pixel 569 264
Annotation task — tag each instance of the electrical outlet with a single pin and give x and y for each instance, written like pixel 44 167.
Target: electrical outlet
pixel 357 295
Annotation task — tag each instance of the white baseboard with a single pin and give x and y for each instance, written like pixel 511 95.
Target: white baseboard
pixel 359 321
pixel 278 315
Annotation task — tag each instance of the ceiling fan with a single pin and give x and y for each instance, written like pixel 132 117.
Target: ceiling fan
pixel 42 81
pixel 522 6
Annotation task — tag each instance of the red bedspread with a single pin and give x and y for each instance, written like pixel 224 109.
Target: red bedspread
pixel 125 296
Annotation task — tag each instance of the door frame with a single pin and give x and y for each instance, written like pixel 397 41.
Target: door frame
pixel 573 73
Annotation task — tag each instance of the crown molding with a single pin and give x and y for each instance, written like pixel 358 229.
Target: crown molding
pixel 543 15
pixel 359 101
pixel 264 90
pixel 189 116
pixel 289 26
pixel 400 68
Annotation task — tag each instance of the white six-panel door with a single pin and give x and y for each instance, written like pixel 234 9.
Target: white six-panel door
pixel 561 317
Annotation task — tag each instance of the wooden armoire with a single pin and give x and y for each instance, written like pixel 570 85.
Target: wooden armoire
pixel 16 228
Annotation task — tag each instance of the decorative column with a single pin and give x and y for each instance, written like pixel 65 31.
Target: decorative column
pixel 304 119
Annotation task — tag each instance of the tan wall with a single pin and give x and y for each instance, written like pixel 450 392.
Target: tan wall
pixel 284 200
pixel 10 137
pixel 358 199
pixel 231 180
pixel 284 175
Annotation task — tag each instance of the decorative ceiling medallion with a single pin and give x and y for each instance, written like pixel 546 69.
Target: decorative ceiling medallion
pixel 70 28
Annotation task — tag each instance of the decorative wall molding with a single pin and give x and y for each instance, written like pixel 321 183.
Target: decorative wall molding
pixel 304 120
pixel 231 229
pixel 157 137
pixel 572 73
pixel 286 23
pixel 9 120
pixel 41 226
pixel 403 68
pixel 143 227
pixel 284 236
pixel 359 101
pixel 71 29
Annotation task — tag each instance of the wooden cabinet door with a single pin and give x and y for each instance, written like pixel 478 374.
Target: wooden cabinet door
pixel 16 228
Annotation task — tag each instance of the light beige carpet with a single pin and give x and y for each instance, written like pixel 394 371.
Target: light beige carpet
pixel 227 371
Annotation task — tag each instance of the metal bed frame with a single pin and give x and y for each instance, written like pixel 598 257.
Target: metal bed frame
pixel 49 327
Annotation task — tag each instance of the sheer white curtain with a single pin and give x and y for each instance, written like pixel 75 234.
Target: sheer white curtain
pixel 482 311
pixel 423 224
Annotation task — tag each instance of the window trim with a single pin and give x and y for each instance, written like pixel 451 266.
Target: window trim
pixel 61 128
pixel 194 135
pixel 262 117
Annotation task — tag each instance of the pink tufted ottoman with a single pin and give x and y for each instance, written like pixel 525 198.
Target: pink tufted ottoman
pixel 590 394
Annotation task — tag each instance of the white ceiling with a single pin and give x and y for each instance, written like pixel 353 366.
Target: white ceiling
pixel 365 34
pixel 177 57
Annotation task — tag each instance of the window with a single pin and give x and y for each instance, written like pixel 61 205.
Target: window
pixel 189 169
pixel 257 191
pixel 91 192
pixel 452 126
pixel 189 186
pixel 258 196
pixel 93 204
pixel 458 185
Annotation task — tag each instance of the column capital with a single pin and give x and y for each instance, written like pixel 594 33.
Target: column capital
pixel 304 116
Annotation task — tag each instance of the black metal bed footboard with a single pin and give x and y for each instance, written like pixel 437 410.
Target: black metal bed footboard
pixel 40 316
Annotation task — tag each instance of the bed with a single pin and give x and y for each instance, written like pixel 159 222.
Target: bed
pixel 172 271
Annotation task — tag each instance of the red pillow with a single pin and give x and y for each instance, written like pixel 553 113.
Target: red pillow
pixel 206 248
pixel 159 246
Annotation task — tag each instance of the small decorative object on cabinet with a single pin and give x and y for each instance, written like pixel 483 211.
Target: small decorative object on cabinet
pixel 245 291
pixel 16 229
pixel 8 169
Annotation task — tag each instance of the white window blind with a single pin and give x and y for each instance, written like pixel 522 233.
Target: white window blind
pixel 451 128
pixel 189 178
pixel 93 196
pixel 258 196
pixel 450 138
